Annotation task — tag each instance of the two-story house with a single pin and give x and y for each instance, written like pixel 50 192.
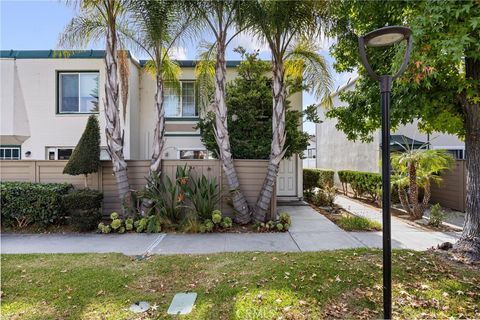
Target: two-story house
pixel 46 98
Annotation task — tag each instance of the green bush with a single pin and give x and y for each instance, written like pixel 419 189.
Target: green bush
pixel 317 178
pixel 355 223
pixel 25 203
pixel 437 216
pixel 363 184
pixel 85 158
pixel 84 208
pixel 324 197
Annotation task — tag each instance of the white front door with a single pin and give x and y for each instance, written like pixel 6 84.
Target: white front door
pixel 287 178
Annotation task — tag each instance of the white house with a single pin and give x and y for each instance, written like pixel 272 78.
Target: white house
pixel 46 98
pixel 336 152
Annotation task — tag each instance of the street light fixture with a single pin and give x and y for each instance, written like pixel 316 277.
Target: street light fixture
pixel 385 37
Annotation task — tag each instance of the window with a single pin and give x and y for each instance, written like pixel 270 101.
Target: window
pixel 311 153
pixel 61 153
pixel 180 103
pixel 458 154
pixel 10 153
pixel 78 92
pixel 193 154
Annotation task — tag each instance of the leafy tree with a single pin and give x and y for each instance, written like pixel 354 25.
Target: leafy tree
pixel 249 105
pixel 288 28
pixel 99 20
pixel 85 158
pixel 416 168
pixel 441 87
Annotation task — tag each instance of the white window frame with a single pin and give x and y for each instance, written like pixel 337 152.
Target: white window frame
pixel 179 150
pixel 180 101
pixel 55 152
pixel 59 93
pixel 11 148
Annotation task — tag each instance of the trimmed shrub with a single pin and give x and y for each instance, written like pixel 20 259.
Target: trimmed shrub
pixel 356 223
pixel 84 208
pixel 85 158
pixel 317 178
pixel 366 184
pixel 25 203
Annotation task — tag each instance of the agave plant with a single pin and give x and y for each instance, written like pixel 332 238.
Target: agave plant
pixel 204 197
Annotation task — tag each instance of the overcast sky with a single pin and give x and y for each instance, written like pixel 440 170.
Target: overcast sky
pixel 36 24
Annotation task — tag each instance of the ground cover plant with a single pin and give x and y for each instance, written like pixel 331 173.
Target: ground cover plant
pixel 355 223
pixel 334 284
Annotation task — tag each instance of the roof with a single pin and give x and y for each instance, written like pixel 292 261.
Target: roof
pixel 86 54
pixel 193 63
pixel 399 140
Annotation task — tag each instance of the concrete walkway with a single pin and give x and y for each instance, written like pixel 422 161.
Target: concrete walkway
pixel 404 235
pixel 310 231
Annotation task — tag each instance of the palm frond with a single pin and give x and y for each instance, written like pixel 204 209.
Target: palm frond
pixel 303 61
pixel 82 30
pixel 205 75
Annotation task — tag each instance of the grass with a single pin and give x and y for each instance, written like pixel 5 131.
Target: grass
pixel 350 222
pixel 333 284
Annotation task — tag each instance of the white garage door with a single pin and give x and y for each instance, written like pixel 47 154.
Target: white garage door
pixel 286 180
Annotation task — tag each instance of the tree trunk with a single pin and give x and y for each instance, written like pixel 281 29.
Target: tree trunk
pixel 159 134
pixel 402 195
pixel 413 191
pixel 113 130
pixel 426 197
pixel 277 147
pixel 240 205
pixel 469 243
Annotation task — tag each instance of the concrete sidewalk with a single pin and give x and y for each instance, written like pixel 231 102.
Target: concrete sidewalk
pixel 310 231
pixel 404 235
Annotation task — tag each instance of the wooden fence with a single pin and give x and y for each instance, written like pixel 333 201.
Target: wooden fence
pixel 452 192
pixel 251 174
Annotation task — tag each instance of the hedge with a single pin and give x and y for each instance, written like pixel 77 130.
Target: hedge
pixel 84 208
pixel 317 178
pixel 367 184
pixel 25 203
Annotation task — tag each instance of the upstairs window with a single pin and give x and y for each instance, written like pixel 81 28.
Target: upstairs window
pixel 180 103
pixel 78 92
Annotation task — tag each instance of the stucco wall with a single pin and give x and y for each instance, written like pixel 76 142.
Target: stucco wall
pixel 336 152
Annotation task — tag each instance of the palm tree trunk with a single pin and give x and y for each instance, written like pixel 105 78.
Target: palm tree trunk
pixel 402 195
pixel 277 146
pixel 469 243
pixel 159 134
pixel 413 191
pixel 113 131
pixel 426 197
pixel 242 210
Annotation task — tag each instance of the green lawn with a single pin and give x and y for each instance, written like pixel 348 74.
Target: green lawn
pixel 335 284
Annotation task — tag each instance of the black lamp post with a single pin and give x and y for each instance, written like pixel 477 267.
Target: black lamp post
pixel 384 37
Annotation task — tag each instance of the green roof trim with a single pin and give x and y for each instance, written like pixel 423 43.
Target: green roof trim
pixel 193 63
pixel 52 54
pixel 86 54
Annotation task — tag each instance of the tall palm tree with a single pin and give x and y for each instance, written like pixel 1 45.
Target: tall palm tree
pixel 220 17
pixel 156 26
pixel 99 20
pixel 416 168
pixel 290 29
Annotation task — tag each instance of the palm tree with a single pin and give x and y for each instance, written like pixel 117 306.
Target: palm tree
pixel 219 17
pixel 414 169
pixel 157 26
pixel 99 20
pixel 288 27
